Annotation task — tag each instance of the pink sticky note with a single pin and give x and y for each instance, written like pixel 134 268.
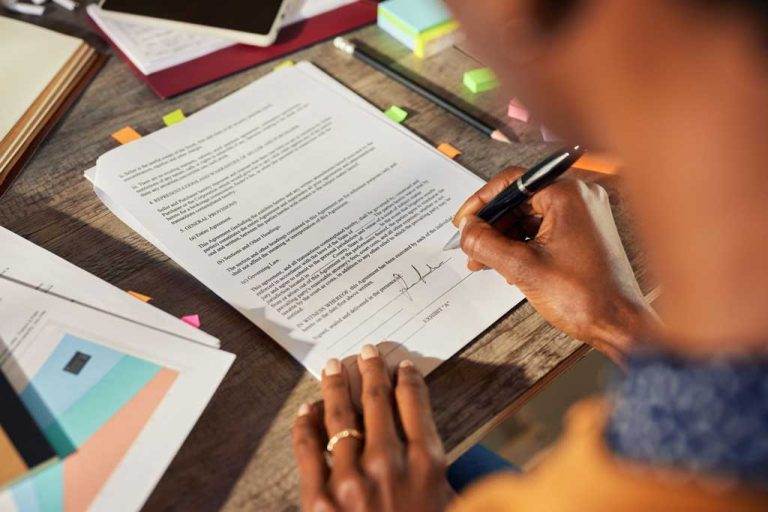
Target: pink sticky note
pixel 548 135
pixel 518 111
pixel 193 320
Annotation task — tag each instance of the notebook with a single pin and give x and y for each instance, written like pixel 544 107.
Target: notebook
pixel 315 216
pixel 43 74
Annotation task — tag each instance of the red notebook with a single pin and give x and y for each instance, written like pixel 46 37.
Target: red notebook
pixel 194 73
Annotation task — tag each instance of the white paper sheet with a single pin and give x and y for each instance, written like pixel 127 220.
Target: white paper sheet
pixel 313 214
pixel 152 48
pixel 33 265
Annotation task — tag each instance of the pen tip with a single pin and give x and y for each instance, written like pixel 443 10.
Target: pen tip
pixel 453 243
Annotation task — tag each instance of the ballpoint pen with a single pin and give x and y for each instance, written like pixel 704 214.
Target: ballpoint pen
pixel 536 178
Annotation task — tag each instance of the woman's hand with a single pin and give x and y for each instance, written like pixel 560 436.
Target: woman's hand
pixel 386 471
pixel 573 270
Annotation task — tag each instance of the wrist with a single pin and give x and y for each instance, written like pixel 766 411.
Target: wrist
pixel 628 328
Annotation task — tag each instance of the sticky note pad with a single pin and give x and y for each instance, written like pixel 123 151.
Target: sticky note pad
pixel 598 162
pixel 174 117
pixel 424 26
pixel 480 80
pixel 448 150
pixel 140 296
pixel 518 111
pixel 193 320
pixel 126 135
pixel 396 114
pixel 288 63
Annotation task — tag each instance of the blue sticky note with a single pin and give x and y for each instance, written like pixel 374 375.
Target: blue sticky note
pixel 418 15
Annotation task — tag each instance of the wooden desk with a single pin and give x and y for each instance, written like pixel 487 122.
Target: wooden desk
pixel 238 456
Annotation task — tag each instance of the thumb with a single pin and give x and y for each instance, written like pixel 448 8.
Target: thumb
pixel 514 260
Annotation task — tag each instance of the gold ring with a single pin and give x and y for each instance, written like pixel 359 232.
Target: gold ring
pixel 344 434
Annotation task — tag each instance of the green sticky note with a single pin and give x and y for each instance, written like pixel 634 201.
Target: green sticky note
pixel 288 63
pixel 174 117
pixel 480 80
pixel 396 114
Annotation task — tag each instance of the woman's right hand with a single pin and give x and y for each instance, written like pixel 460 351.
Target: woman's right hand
pixel 573 269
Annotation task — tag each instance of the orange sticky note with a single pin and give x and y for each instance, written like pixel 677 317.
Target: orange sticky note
pixel 126 135
pixel 598 162
pixel 140 296
pixel 448 150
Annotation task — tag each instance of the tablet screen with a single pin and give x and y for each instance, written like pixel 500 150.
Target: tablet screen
pixel 256 17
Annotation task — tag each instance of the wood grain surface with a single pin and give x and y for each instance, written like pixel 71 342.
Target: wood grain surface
pixel 238 456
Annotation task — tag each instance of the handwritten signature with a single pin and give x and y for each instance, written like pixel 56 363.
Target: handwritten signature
pixel 420 277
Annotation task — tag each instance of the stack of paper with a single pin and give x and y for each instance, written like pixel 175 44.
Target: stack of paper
pixel 313 214
pixel 152 48
pixel 113 385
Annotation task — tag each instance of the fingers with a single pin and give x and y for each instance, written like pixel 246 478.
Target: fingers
pixel 483 244
pixel 339 415
pixel 487 192
pixel 308 450
pixel 415 411
pixel 380 429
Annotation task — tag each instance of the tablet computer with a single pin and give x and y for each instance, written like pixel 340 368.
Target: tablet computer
pixel 243 21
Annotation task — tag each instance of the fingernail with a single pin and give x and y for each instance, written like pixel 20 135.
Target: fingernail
pixel 369 351
pixel 333 367
pixel 303 410
pixel 406 363
pixel 462 223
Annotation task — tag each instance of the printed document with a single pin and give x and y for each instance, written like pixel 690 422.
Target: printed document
pixel 314 215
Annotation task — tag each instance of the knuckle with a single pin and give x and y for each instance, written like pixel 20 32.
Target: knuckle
pixel 320 504
pixel 429 461
pixel 377 391
pixel 349 491
pixel 340 413
pixel 380 464
pixel 472 238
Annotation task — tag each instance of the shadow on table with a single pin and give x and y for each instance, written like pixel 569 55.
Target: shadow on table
pixel 224 442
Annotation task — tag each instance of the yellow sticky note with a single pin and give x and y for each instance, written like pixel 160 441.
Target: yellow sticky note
pixel 174 117
pixel 285 64
pixel 126 135
pixel 448 150
pixel 598 162
pixel 140 296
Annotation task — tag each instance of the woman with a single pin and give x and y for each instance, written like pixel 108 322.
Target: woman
pixel 679 90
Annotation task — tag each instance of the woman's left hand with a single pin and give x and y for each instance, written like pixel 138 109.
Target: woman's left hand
pixel 384 471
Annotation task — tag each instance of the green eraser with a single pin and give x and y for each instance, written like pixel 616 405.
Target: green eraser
pixel 174 117
pixel 396 114
pixel 480 80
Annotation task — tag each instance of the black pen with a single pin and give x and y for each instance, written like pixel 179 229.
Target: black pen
pixel 476 123
pixel 535 179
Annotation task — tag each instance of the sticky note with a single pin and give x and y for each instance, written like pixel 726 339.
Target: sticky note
pixel 518 111
pixel 480 80
pixel 126 135
pixel 288 63
pixel 548 135
pixel 174 117
pixel 140 296
pixel 598 162
pixel 396 114
pixel 193 320
pixel 448 150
